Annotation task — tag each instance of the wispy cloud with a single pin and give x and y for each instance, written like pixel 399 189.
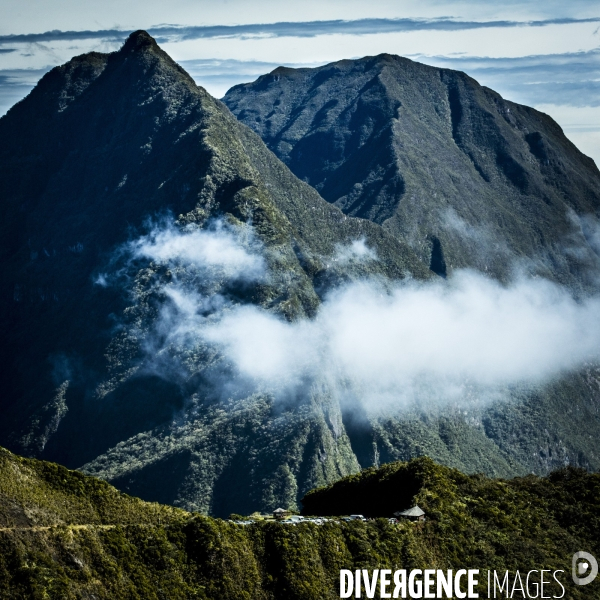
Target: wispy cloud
pixel 18 77
pixel 57 35
pixel 355 252
pixel 219 75
pixel 571 78
pixel 15 84
pixel 173 33
pixel 219 251
pixel 390 345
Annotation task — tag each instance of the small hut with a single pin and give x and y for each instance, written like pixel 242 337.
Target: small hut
pixel 413 514
pixel 280 513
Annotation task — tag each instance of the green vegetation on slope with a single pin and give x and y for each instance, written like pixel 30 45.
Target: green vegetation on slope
pixel 467 178
pixel 107 140
pixel 155 552
pixel 101 144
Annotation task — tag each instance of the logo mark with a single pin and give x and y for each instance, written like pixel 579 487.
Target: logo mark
pixel 585 568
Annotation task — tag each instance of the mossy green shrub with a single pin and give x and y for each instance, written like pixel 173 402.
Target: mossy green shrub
pixel 107 545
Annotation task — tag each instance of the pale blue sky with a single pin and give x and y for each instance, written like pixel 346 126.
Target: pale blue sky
pixel 542 53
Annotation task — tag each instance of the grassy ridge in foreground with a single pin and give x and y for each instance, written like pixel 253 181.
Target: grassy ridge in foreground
pixel 105 544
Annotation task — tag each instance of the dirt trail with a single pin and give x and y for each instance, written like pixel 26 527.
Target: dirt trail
pixel 48 527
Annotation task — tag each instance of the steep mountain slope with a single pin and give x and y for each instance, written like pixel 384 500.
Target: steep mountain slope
pixel 101 144
pixel 65 535
pixel 96 372
pixel 467 178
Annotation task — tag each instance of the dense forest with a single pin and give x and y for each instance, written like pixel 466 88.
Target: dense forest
pixel 67 535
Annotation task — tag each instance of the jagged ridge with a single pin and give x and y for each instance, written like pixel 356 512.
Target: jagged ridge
pixel 441 161
pixel 101 144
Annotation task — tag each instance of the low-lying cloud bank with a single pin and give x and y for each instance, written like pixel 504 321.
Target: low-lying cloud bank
pixel 420 342
pixel 472 329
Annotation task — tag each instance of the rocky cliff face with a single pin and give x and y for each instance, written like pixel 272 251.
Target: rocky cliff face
pixel 103 143
pixel 467 178
pixel 96 375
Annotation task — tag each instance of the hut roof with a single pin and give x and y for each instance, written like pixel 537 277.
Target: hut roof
pixel 280 510
pixel 415 511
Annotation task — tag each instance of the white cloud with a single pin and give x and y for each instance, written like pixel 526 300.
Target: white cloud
pixel 225 251
pixel 355 252
pixel 438 337
pixel 101 280
pixel 416 342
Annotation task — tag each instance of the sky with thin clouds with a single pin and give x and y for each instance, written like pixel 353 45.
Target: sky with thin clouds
pixel 545 54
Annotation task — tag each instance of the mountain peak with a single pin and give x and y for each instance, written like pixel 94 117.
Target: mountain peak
pixel 139 40
pixel 350 129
